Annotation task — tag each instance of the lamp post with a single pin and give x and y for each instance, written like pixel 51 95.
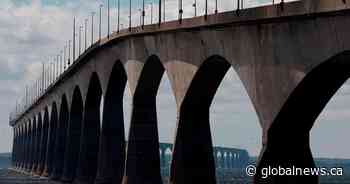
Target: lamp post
pixel 80 28
pixel 64 57
pixel 180 10
pixel 108 11
pixel 100 28
pixel 118 16
pixel 129 15
pixel 206 8
pixel 69 43
pixel 61 62
pixel 164 11
pixel 160 12
pixel 216 6
pixel 92 27
pixel 73 40
pixel 85 34
pixel 195 8
pixel 143 13
pixel 151 13
pixel 140 16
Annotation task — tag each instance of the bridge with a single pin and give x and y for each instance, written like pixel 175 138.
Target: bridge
pixel 291 58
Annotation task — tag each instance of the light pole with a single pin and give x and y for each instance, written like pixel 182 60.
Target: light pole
pixel 69 43
pixel 64 57
pixel 195 8
pixel 80 29
pixel 108 11
pixel 74 39
pixel 143 13
pixel 100 28
pixel 61 62
pixel 151 13
pixel 180 10
pixel 118 17
pixel 57 65
pixel 92 27
pixel 164 11
pixel 216 6
pixel 129 15
pixel 140 16
pixel 206 8
pixel 86 21
pixel 160 12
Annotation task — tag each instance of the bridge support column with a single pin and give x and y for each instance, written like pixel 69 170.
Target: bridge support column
pixel 41 148
pixel 143 162
pixel 71 155
pixel 60 141
pixel 89 145
pixel 46 143
pixel 29 150
pixel 111 160
pixel 193 160
pixel 35 145
pixel 293 152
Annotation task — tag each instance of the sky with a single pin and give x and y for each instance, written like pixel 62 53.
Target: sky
pixel 33 30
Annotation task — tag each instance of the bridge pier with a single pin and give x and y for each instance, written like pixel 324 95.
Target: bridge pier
pixel 89 145
pixel 72 150
pixel 50 152
pixel 41 146
pixel 112 153
pixel 60 140
pixel 143 159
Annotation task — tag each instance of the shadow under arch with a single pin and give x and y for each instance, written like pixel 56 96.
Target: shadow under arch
pixel 24 149
pixel 143 162
pixel 193 160
pixel 34 145
pixel 60 140
pixel 51 140
pixel 288 137
pixel 71 155
pixel 29 145
pixel 22 145
pixel 111 161
pixel 38 145
pixel 89 143
pixel 44 137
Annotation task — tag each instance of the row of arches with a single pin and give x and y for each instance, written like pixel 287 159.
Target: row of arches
pixel 74 145
pixel 85 150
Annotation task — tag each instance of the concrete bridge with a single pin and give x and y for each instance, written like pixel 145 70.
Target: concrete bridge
pixel 291 58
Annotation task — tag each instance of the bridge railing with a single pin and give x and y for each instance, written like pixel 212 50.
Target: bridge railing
pixel 156 12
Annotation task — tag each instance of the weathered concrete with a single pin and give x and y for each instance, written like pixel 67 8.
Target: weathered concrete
pixel 277 54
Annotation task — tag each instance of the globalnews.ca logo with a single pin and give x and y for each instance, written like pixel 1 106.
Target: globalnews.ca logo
pixel 294 171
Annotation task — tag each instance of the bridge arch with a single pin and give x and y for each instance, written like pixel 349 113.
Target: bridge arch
pixel 74 129
pixel 143 160
pixel 193 160
pixel 89 143
pixel 38 143
pixel 297 116
pixel 111 161
pixel 30 145
pixel 60 140
pixel 44 137
pixel 50 154
pixel 34 142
